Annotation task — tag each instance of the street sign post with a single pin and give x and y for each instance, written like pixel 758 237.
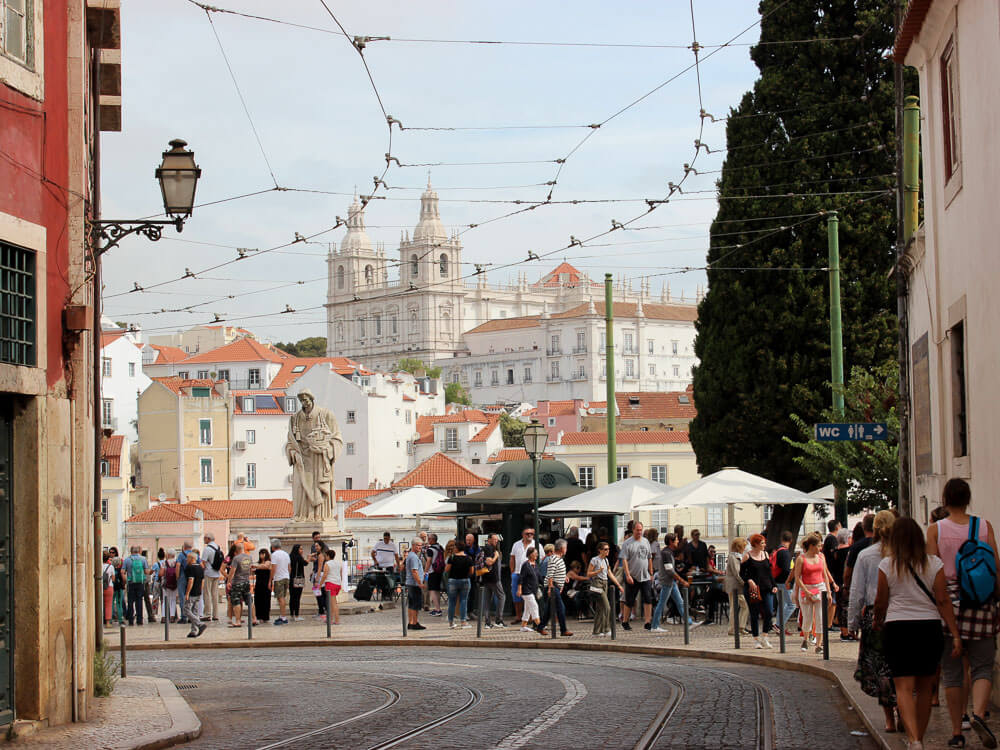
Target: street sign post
pixel 837 432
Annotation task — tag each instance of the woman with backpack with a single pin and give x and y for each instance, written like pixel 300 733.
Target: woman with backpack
pixel 958 540
pixel 118 587
pixel 157 588
pixel 168 587
pixel 910 602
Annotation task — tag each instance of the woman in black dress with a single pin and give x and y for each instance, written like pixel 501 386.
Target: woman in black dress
pixel 758 587
pixel 261 587
pixel 298 582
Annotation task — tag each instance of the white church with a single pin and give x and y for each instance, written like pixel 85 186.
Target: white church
pixel 517 341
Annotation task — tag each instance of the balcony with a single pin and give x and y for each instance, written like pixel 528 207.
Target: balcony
pixel 580 349
pixel 579 375
pixel 553 352
pixel 245 384
pixel 553 379
pixel 449 446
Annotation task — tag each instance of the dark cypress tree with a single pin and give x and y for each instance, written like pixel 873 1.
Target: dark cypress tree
pixel 818 120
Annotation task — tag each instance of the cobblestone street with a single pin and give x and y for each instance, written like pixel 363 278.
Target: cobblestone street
pixel 379 697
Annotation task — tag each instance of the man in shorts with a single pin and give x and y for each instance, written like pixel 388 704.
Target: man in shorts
pixel 434 569
pixel 637 563
pixel 281 573
pixel 240 569
pixel 415 584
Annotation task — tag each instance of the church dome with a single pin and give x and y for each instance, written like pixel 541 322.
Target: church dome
pixel 356 239
pixel 430 226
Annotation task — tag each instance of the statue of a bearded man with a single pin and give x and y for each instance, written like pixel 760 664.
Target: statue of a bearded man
pixel 314 443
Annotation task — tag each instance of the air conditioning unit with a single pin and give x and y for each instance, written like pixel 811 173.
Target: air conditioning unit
pixel 240 445
pixel 241 481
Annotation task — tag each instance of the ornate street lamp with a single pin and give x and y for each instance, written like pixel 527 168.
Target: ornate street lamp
pixel 178 176
pixel 535 438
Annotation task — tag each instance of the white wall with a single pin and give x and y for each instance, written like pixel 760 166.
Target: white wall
pixel 124 388
pixel 267 453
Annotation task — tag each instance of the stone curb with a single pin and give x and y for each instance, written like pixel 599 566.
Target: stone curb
pixel 184 723
pixel 872 722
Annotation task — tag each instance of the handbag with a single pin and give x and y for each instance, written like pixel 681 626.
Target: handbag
pixel 299 582
pixel 755 594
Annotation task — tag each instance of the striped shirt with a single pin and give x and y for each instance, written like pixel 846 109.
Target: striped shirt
pixel 556 572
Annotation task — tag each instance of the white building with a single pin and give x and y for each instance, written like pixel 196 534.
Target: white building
pixel 245 363
pixel 467 436
pixel 952 264
pixel 560 355
pixel 424 311
pixel 259 431
pixel 122 380
pixel 377 414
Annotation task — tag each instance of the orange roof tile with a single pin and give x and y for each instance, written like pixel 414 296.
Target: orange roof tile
pixel 287 375
pixel 558 409
pixel 111 451
pixel 243 349
pixel 514 454
pixel 425 424
pixel 110 337
pixel 439 471
pixel 166 355
pixel 265 402
pixel 354 509
pixel 506 324
pixel 349 496
pixel 483 435
pixel 166 514
pixel 177 384
pixel 625 437
pixel 574 277
pixel 216 510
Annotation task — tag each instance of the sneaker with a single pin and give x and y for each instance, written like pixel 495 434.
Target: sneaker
pixel 767 643
pixel 606 633
pixel 298 619
pixel 985 735
pixel 465 625
pixel 418 626
pixel 805 645
pixel 648 626
pixel 957 740
pixel 526 629
pixel 966 724
pixel 819 648
pixel 499 624
pixel 626 626
pixel 658 629
pixel 488 625
pixel 757 643
pixel 692 625
pixel 278 622
pixel 436 613
pixel 600 635
pixel 192 635
pixel 201 629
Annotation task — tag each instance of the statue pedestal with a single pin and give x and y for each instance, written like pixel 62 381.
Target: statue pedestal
pixel 300 532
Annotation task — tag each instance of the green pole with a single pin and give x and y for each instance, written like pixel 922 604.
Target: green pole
pixel 609 360
pixel 836 333
pixel 911 166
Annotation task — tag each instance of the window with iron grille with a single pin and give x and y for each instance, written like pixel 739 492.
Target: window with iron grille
pixel 17 305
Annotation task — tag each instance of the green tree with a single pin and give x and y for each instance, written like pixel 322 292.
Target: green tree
pixel 869 470
pixel 512 430
pixel 415 366
pixel 818 120
pixel 455 393
pixel 312 346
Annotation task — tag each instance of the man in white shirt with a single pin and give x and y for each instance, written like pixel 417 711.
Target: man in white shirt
pixel 518 554
pixel 213 565
pixel 281 572
pixel 385 554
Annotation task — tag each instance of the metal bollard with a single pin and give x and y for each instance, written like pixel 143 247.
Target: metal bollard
pixel 482 612
pixel 613 601
pixel 121 645
pixel 404 601
pixel 736 618
pixel 826 629
pixel 552 612
pixel 781 617
pixel 329 624
pixel 250 619
pixel 166 620
pixel 686 598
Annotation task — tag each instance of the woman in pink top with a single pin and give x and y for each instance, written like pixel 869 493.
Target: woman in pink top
pixel 811 579
pixel 977 626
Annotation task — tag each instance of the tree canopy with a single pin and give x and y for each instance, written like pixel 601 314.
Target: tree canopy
pixel 415 366
pixel 313 346
pixel 455 393
pixel 816 133
pixel 512 430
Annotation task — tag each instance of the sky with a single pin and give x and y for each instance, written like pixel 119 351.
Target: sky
pixel 320 127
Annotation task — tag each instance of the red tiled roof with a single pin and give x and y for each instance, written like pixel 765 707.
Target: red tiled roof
pixel 909 29
pixel 483 435
pixel 558 409
pixel 110 337
pixel 243 349
pixel 354 509
pixel 217 510
pixel 650 310
pixel 285 376
pixel 514 454
pixel 272 399
pixel 176 384
pixel 425 425
pixel 111 451
pixel 655 405
pixel 349 496
pixel 439 471
pixel 506 324
pixel 625 437
pixel 166 355
pixel 575 277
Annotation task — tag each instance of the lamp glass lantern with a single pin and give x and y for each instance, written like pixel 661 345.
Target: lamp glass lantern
pixel 178 176
pixel 535 439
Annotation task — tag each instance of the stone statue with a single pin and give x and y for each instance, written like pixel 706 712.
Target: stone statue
pixel 314 443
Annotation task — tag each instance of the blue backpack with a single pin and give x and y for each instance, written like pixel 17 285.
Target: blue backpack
pixel 976 567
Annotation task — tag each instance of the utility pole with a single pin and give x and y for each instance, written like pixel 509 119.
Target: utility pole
pixel 902 308
pixel 609 374
pixel 836 334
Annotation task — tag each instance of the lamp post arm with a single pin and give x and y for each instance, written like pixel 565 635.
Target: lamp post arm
pixel 108 233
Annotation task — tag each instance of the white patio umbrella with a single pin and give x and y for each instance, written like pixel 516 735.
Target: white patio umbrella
pixel 406 503
pixel 635 493
pixel 440 509
pixel 732 486
pixel 824 493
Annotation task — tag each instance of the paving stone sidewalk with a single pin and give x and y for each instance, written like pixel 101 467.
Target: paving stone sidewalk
pixel 141 713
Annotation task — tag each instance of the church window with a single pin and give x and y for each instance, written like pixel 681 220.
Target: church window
pixel 361 328
pixel 478 378
pixel 340 277
pixel 414 266
pixel 444 265
pixel 413 322
pixel 393 325
pixel 445 322
pixel 369 274
pixel 378 324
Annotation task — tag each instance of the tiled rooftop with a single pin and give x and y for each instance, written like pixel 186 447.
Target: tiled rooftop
pixel 439 472
pixel 600 437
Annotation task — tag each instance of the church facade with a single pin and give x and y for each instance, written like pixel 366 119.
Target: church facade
pixel 421 303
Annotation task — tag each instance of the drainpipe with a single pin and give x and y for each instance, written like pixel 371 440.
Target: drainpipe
pixel 95 73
